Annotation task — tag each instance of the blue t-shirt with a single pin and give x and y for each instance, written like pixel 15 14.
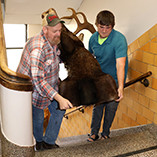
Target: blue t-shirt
pixel 106 54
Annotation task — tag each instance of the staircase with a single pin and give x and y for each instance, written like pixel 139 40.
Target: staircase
pixel 138 141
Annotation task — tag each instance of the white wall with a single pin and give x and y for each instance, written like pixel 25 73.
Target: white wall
pixel 133 17
pixel 33 30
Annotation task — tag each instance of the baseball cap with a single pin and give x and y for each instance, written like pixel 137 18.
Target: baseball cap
pixel 53 20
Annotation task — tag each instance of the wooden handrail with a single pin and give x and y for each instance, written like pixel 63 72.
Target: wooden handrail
pixel 9 78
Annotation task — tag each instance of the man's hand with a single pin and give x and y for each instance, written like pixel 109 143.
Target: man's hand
pixel 120 94
pixel 63 103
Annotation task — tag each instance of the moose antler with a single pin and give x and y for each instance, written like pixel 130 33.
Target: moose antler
pixel 49 11
pixel 80 26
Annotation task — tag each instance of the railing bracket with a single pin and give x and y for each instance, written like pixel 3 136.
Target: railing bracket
pixel 145 82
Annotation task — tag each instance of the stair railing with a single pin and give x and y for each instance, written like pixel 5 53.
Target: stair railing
pixel 142 79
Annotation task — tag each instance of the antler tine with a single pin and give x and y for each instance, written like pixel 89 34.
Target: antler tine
pixel 84 25
pixel 84 17
pixel 69 17
pixel 74 12
pixel 54 11
pixel 48 11
pixel 72 16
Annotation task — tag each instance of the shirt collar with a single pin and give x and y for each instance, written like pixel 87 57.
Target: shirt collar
pixel 109 39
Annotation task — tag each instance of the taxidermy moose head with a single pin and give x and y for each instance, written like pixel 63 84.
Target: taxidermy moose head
pixel 86 84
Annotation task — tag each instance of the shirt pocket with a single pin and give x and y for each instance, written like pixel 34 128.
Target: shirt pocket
pixel 51 66
pixel 48 66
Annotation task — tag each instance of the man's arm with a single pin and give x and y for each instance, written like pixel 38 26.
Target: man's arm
pixel 120 65
pixel 63 103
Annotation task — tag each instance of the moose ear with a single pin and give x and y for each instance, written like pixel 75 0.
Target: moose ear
pixel 67 43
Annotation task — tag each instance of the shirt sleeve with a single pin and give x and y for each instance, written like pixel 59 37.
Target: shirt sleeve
pixel 37 74
pixel 121 47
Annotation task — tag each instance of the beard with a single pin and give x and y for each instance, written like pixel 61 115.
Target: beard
pixel 55 41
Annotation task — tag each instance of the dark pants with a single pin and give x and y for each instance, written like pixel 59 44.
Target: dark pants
pixel 110 110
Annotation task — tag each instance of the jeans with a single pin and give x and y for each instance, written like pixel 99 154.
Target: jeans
pixel 110 110
pixel 54 123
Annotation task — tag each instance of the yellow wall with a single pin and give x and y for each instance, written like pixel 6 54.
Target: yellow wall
pixel 139 105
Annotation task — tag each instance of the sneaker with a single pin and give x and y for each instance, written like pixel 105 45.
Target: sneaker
pixel 39 146
pixel 49 146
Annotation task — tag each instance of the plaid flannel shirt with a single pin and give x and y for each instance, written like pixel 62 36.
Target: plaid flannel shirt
pixel 40 61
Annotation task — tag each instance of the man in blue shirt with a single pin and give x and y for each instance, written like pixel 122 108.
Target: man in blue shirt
pixel 110 49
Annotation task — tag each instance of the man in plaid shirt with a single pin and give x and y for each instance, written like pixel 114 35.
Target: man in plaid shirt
pixel 40 60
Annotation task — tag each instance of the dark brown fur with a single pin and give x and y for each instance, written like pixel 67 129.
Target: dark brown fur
pixel 86 84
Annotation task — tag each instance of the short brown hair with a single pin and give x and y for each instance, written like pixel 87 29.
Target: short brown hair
pixel 105 17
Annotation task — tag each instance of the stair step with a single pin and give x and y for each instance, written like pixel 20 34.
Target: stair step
pixel 134 141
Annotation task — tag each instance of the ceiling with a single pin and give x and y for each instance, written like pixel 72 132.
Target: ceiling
pixel 29 11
